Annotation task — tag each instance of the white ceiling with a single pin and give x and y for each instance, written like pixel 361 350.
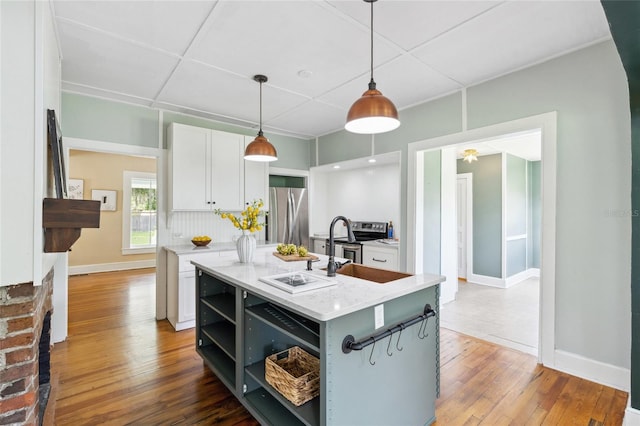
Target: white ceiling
pixel 199 57
pixel 527 145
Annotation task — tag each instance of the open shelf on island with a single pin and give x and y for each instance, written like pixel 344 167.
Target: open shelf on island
pixel 309 412
pixel 220 364
pixel 268 408
pixel 224 304
pixel 222 334
pixel 300 329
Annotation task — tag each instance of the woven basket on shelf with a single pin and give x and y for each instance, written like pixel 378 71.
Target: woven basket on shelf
pixel 295 374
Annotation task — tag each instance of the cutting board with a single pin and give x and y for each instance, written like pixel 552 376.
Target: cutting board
pixel 294 257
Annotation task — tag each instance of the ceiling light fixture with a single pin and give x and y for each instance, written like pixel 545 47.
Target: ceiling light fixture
pixel 372 112
pixel 470 155
pixel 260 149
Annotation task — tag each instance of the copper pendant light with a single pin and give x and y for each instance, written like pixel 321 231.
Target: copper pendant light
pixel 260 149
pixel 373 112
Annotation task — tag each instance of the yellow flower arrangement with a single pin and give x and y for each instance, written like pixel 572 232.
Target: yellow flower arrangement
pixel 249 219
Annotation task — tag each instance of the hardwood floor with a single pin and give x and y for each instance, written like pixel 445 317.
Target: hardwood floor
pixel 120 366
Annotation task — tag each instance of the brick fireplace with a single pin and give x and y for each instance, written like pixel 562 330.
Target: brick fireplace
pixel 24 350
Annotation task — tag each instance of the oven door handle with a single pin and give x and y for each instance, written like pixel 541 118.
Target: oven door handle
pixel 351 246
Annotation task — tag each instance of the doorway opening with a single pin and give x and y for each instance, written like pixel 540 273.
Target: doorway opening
pixel 422 250
pixel 126 186
pixel 498 201
pixel 125 157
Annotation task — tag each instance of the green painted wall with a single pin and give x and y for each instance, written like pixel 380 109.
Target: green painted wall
pixel 535 213
pixel 635 283
pixel 487 213
pixel 624 21
pixel 516 196
pixel 91 118
pixel 516 257
pixel 588 90
pixel 432 211
pixel 287 181
pixel 516 213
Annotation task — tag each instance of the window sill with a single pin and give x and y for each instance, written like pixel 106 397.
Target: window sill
pixel 141 250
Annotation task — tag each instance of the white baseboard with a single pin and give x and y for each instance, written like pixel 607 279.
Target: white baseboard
pixel 501 282
pixel 595 371
pixel 109 267
pixel 521 276
pixel 631 416
pixel 486 280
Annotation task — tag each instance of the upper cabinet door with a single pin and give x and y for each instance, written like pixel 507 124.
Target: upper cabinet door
pixel 256 179
pixel 207 171
pixel 227 177
pixel 189 165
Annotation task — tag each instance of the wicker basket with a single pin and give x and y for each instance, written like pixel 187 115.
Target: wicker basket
pixel 295 374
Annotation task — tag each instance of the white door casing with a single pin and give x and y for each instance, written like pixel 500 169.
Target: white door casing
pixel 463 216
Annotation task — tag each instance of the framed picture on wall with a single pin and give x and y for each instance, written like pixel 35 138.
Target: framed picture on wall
pixel 107 199
pixel 75 189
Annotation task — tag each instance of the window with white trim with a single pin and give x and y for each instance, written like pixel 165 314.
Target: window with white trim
pixel 139 212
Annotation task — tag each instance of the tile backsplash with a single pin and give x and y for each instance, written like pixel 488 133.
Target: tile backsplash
pixel 185 225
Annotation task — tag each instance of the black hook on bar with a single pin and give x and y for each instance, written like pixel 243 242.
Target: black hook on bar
pixel 372 349
pixel 423 328
pixel 420 329
pixel 399 335
pixel 349 343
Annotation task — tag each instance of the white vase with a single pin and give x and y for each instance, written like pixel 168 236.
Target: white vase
pixel 246 246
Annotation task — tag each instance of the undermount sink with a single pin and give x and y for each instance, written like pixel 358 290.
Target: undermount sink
pixel 380 276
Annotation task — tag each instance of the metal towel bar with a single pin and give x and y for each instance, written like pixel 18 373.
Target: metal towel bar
pixel 349 342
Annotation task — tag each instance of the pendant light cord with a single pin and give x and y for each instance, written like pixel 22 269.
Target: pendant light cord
pixel 372 83
pixel 260 131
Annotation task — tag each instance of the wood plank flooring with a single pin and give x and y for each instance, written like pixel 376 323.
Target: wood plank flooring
pixel 119 366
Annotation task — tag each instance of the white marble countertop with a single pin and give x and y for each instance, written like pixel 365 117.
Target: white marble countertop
pixel 189 248
pixel 391 244
pixel 349 295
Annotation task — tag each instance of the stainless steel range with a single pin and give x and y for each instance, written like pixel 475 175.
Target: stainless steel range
pixel 363 231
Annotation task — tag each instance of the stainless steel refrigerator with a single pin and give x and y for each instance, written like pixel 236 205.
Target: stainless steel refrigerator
pixel 288 220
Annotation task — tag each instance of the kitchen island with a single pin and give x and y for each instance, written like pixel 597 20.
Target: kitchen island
pixel 392 380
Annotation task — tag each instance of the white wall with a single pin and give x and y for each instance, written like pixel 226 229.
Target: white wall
pixel 18 141
pixel 363 194
pixel 29 84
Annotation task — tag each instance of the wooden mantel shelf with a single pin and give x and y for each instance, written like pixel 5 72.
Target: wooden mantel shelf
pixel 63 219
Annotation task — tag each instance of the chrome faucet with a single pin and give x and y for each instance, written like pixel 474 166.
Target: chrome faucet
pixel 332 266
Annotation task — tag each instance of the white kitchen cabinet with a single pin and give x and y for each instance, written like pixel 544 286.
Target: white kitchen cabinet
pixel 206 169
pixel 256 179
pixel 319 245
pixel 338 251
pixel 380 257
pixel 181 288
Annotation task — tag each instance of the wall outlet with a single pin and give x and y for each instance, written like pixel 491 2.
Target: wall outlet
pixel 379 316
